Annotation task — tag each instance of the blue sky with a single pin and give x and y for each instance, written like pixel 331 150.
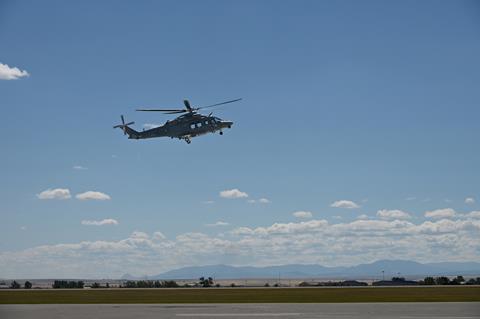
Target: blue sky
pixel 375 103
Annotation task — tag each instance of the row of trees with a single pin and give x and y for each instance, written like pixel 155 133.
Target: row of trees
pixel 97 285
pixel 459 280
pixel 202 282
pixel 15 285
pixel 206 282
pixel 64 284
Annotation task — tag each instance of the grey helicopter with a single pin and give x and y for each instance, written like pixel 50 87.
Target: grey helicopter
pixel 186 126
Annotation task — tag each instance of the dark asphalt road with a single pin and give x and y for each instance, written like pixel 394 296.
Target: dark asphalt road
pixel 465 310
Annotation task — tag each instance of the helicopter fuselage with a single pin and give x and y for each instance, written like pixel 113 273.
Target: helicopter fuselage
pixel 183 127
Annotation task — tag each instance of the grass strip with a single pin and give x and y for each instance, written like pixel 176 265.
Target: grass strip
pixel 241 295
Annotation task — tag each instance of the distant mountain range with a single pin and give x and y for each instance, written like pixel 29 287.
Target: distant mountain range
pixel 390 267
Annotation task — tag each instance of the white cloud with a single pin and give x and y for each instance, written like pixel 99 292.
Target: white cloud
pixel 302 214
pixel 159 236
pixel 259 201
pixel 149 126
pixel 233 193
pixel 410 198
pixel 469 200
pixel 209 202
pixel 362 216
pixel 8 73
pixel 23 228
pixel 56 193
pixel 306 242
pixel 79 167
pixel 283 228
pixel 108 221
pixel 474 214
pixel 219 223
pixel 344 204
pixel 441 213
pixel 393 214
pixel 91 195
pixel 139 235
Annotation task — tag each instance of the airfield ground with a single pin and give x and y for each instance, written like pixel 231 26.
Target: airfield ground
pixel 398 310
pixel 241 295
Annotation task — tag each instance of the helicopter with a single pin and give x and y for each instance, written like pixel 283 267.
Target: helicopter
pixel 186 126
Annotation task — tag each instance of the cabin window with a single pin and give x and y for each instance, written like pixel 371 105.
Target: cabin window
pixel 192 126
pixel 199 124
pixel 206 122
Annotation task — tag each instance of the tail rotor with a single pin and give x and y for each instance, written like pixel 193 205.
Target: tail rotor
pixel 123 126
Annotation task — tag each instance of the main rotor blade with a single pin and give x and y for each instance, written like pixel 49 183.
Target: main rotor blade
pixel 161 110
pixel 204 107
pixel 187 105
pixel 176 112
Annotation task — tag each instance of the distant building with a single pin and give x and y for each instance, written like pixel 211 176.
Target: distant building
pixel 396 281
pixel 353 283
pixel 346 283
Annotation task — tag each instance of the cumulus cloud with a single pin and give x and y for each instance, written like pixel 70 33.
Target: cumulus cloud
pixel 209 202
pixel 233 193
pixel 362 216
pixel 259 201
pixel 92 195
pixel 474 214
pixel 9 73
pixel 219 223
pixel 302 214
pixel 56 193
pixel 139 235
pixel 283 228
pixel 469 200
pixel 344 204
pixel 307 242
pixel 159 236
pixel 441 213
pixel 108 221
pixel 79 167
pixel 393 214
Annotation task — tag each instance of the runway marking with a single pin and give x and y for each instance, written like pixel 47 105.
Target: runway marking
pixel 263 314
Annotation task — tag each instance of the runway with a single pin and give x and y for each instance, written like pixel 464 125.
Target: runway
pixel 460 310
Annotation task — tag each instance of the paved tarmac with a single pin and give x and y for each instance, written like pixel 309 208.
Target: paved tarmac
pixel 460 310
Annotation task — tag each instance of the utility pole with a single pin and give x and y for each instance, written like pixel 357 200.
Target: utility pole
pixel 383 275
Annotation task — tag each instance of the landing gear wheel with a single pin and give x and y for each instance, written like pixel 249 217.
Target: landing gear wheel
pixel 188 141
pixel 221 133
